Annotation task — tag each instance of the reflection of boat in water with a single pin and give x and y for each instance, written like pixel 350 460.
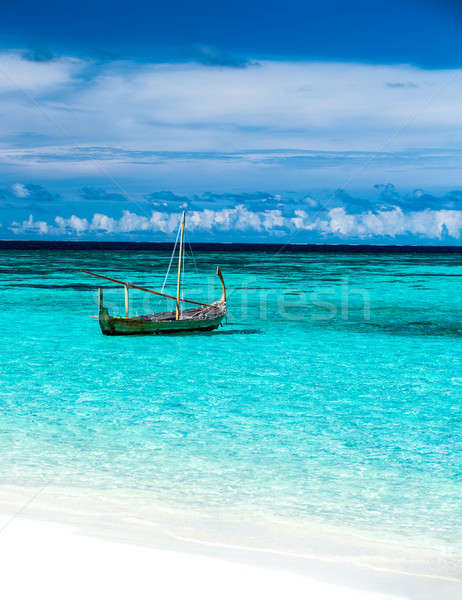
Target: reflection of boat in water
pixel 203 317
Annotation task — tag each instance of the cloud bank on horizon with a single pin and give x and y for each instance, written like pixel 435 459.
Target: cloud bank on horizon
pixel 87 137
pixel 258 217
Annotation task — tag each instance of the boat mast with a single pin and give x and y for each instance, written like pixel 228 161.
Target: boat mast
pixel 180 257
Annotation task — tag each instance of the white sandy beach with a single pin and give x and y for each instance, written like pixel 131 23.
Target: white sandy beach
pixel 46 560
pixel 50 559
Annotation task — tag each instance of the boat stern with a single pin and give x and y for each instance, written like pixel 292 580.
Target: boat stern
pixel 103 315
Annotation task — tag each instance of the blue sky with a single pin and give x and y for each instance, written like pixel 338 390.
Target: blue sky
pixel 269 121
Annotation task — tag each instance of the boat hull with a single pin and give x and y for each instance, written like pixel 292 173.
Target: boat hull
pixel 145 326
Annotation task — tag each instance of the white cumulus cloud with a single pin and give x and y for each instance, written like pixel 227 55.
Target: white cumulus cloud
pixel 33 226
pixel 336 222
pixel 17 74
pixel 20 190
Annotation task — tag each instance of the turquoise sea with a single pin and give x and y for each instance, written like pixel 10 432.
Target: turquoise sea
pixel 332 396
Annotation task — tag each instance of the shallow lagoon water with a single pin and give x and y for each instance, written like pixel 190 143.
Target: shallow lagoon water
pixel 333 395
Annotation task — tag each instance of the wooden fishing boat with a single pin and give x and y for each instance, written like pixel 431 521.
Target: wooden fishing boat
pixel 203 317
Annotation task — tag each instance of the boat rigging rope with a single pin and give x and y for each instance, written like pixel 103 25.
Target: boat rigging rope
pixel 193 257
pixel 171 260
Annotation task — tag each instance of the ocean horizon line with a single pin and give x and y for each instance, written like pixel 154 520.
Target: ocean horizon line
pixel 231 247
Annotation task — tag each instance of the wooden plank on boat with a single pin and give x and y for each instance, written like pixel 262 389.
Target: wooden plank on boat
pixel 126 300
